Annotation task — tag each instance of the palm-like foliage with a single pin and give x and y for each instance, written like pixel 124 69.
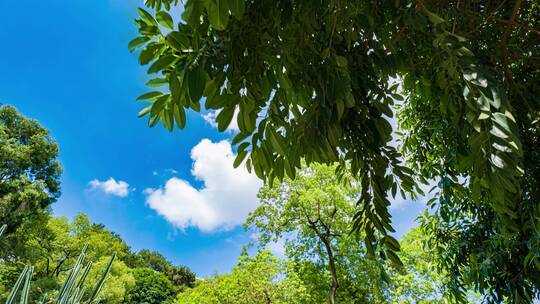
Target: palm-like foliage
pixel 72 290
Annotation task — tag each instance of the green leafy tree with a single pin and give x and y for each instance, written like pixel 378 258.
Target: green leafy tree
pixel 151 287
pixel 29 170
pixel 180 276
pixel 312 81
pixel 254 280
pixel 313 213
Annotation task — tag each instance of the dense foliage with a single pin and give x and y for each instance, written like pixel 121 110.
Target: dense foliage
pixel 53 249
pixel 29 171
pixel 312 80
pixel 46 248
pixel 311 214
pixel 258 279
pixel 151 287
pixel 263 278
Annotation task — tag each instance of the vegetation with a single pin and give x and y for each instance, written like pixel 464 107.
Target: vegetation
pixel 297 70
pixel 40 255
pixel 257 279
pixel 29 171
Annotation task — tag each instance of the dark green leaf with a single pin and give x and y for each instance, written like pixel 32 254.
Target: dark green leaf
pixel 161 63
pixel 178 41
pixel 196 80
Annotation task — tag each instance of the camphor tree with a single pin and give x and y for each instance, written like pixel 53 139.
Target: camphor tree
pixel 310 81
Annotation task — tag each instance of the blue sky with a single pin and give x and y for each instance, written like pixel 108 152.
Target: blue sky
pixel 66 64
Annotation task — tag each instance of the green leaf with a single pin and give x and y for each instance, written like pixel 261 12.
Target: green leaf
pixel 150 96
pixel 178 41
pixel 196 80
pixel 391 243
pixel 277 142
pixel 221 101
pixel 180 116
pixel 137 43
pixel 157 82
pixel 158 106
pixel 193 11
pixel 341 61
pixel 239 158
pixel 175 86
pixel 394 258
pixel 165 20
pixel 218 13
pixel 150 53
pixel 340 106
pixel 237 8
pixel 161 63
pixel 147 17
pixel 144 111
pixel 435 19
pixel 224 118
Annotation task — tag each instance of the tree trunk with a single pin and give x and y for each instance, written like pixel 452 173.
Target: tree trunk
pixel 332 267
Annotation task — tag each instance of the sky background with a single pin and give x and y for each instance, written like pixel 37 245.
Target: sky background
pixel 66 64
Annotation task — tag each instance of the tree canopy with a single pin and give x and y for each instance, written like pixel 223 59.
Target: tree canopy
pixel 313 81
pixel 262 278
pixel 29 170
pixel 312 215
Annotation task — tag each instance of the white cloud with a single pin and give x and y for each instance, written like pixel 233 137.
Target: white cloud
pixel 224 201
pixel 211 117
pixel 111 186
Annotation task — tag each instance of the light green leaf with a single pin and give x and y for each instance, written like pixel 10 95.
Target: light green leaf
pixel 144 111
pixel 147 17
pixel 150 96
pixel 137 43
pixel 157 82
pixel 218 13
pixel 165 20
pixel 237 8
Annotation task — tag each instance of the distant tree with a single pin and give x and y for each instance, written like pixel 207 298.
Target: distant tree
pixel 180 276
pixel 29 169
pixel 312 213
pixel 258 279
pixel 151 287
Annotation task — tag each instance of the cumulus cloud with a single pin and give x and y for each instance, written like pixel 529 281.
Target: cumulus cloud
pixel 225 199
pixel 111 186
pixel 211 117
